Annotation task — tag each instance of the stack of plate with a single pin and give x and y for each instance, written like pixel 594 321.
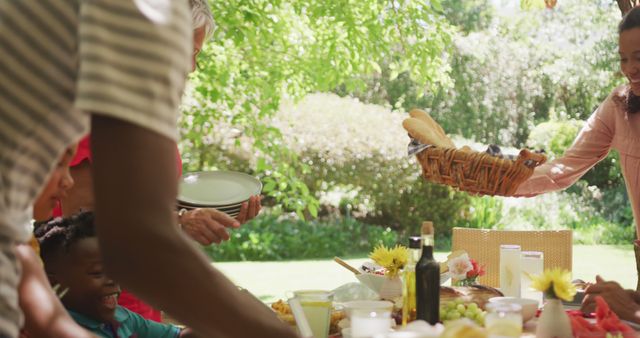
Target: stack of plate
pixel 222 190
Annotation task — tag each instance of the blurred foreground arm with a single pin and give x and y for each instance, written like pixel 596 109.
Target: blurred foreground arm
pixel 135 187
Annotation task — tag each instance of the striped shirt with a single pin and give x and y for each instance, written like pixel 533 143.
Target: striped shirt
pixel 62 59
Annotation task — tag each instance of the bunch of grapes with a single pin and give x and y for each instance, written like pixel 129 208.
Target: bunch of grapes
pixel 458 309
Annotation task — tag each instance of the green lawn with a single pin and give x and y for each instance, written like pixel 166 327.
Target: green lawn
pixel 270 280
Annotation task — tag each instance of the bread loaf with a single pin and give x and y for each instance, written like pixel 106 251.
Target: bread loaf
pixel 421 131
pixel 426 118
pixel 478 294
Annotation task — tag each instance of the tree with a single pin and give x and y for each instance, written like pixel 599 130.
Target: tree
pixel 264 50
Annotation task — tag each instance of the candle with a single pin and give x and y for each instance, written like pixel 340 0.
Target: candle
pixel 504 320
pixel 368 326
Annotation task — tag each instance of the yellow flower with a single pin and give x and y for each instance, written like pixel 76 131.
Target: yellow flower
pixel 392 260
pixel 555 283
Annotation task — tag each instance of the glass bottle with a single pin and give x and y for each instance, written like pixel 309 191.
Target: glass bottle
pixel 409 285
pixel 427 279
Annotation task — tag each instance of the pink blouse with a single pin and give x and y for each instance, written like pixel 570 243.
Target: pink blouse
pixel 609 127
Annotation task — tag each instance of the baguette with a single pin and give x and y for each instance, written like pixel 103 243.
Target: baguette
pixel 421 131
pixel 479 294
pixel 426 118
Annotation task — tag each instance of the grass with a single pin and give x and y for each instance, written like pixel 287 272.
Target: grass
pixel 271 280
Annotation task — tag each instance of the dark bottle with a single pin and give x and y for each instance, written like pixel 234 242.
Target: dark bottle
pixel 427 279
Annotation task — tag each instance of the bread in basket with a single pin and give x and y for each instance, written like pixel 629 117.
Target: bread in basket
pixel 467 170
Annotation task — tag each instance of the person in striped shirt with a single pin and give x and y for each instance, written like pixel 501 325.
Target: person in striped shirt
pixel 119 66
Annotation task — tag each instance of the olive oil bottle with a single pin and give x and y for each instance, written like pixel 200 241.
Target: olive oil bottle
pixel 409 285
pixel 427 279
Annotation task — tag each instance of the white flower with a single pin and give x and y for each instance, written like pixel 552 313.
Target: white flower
pixel 459 266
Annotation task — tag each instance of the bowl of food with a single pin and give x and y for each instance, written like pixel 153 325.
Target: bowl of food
pixel 529 306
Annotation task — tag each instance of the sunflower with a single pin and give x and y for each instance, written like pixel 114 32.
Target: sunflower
pixel 555 283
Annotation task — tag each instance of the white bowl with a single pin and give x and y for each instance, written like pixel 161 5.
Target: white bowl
pixel 529 306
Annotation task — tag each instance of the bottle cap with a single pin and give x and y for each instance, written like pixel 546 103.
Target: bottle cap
pixel 415 242
pixel 427 228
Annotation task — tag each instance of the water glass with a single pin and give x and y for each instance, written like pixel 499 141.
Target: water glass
pixel 510 270
pixel 532 263
pixel 316 305
pixel 503 320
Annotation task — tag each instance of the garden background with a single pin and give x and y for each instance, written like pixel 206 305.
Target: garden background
pixel 309 96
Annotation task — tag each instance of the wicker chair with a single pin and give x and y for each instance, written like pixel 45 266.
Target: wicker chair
pixel 484 246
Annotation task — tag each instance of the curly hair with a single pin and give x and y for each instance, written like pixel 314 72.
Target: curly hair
pixel 61 233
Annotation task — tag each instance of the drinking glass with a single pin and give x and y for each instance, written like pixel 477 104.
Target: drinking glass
pixel 510 270
pixel 503 320
pixel 316 305
pixel 532 263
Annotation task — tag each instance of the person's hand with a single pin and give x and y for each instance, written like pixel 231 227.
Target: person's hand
pixel 206 225
pixel 620 301
pixel 249 209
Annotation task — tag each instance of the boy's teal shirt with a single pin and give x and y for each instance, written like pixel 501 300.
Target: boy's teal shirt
pixel 130 325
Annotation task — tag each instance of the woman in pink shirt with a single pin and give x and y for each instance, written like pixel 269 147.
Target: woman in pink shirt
pixel 614 125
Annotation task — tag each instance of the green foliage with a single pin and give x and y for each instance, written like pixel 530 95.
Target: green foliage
pixel 485 212
pixel 469 15
pixel 555 137
pixel 272 238
pixel 532 4
pixel 263 51
pixel 494 80
pixel 405 209
pixel 522 70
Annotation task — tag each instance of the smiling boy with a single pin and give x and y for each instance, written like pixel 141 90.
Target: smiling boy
pixel 71 254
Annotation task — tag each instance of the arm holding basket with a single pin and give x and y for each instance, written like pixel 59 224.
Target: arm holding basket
pixel 591 146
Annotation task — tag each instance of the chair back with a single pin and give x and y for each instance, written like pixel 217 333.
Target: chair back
pixel 483 245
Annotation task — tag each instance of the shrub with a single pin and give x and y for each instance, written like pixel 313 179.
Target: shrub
pixel 270 237
pixel 362 148
pixel 556 136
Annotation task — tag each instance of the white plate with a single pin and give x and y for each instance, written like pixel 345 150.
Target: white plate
pixel 225 208
pixel 218 188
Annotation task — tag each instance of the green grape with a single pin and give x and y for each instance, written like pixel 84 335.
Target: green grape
pixel 457 309
pixel 480 318
pixel 453 315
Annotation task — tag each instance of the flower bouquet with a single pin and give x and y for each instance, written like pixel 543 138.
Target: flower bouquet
pixel 463 269
pixel 383 277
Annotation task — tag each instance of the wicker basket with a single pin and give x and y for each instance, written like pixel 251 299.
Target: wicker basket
pixel 476 172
